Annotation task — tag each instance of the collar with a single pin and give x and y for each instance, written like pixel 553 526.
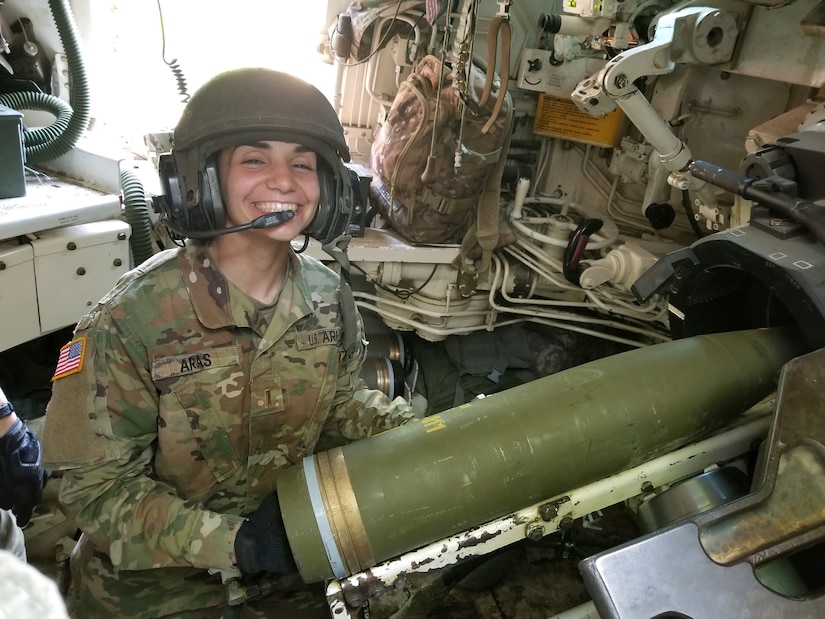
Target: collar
pixel 218 303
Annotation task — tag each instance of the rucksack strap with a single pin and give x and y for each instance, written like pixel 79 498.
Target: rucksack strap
pixel 337 249
pixel 499 24
pixel 484 234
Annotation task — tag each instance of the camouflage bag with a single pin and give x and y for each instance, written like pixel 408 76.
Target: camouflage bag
pixel 443 210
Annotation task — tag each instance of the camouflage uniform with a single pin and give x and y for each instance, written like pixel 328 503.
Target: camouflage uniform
pixel 187 401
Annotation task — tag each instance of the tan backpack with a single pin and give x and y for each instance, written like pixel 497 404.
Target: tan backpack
pixel 459 201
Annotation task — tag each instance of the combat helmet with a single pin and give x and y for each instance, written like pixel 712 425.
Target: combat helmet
pixel 242 106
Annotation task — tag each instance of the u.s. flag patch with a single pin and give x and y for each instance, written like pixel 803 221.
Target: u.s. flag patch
pixel 71 358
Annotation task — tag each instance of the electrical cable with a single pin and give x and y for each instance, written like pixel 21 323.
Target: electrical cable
pixel 384 38
pixel 428 176
pixel 401 294
pixel 173 65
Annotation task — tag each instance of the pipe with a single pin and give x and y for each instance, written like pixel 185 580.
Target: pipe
pixel 137 214
pixel 352 507
pixel 341 43
pixel 31 100
pixel 62 136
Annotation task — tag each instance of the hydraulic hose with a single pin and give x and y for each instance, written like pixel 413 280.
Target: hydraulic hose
pixel 137 215
pixel 61 136
pixel 30 100
pixel 571 268
pixel 66 27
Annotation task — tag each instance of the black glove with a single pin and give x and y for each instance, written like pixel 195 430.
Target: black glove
pixel 21 478
pixel 261 544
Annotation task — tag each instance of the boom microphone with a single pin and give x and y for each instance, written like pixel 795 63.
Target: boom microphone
pixel 264 221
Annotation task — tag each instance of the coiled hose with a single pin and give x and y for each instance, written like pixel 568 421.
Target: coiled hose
pixel 29 100
pixel 137 215
pixel 61 136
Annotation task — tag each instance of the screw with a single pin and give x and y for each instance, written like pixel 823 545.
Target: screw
pixel 81 271
pixel 71 246
pixel 535 532
pixel 548 511
pixel 620 81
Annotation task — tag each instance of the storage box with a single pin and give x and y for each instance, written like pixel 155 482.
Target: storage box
pixel 12 171
pixel 75 266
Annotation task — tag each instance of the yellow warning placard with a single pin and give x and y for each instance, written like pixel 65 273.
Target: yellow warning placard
pixel 560 118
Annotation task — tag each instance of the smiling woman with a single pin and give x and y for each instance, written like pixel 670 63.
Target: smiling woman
pixel 239 355
pixel 269 177
pixel 145 58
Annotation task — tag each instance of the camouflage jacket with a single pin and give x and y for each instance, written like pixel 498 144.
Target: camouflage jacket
pixel 178 401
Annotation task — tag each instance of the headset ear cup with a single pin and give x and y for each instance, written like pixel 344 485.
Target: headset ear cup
pixel 350 197
pixel 209 213
pixel 172 208
pixel 332 218
pixel 319 227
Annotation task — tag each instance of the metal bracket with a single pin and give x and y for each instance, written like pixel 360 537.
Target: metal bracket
pixel 719 550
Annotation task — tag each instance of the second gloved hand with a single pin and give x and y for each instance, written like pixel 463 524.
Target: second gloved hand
pixel 21 478
pixel 261 544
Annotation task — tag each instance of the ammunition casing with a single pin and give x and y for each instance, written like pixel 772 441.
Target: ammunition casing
pixel 350 508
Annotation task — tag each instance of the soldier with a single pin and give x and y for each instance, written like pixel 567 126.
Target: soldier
pixel 210 367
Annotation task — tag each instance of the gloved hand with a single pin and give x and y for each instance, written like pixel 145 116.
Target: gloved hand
pixel 21 478
pixel 261 544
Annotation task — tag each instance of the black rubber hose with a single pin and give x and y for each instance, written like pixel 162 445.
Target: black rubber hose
pixel 575 249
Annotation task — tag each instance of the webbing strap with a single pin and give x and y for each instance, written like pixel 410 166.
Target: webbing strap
pixel 499 25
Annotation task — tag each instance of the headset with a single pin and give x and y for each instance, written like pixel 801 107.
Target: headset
pixel 205 217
